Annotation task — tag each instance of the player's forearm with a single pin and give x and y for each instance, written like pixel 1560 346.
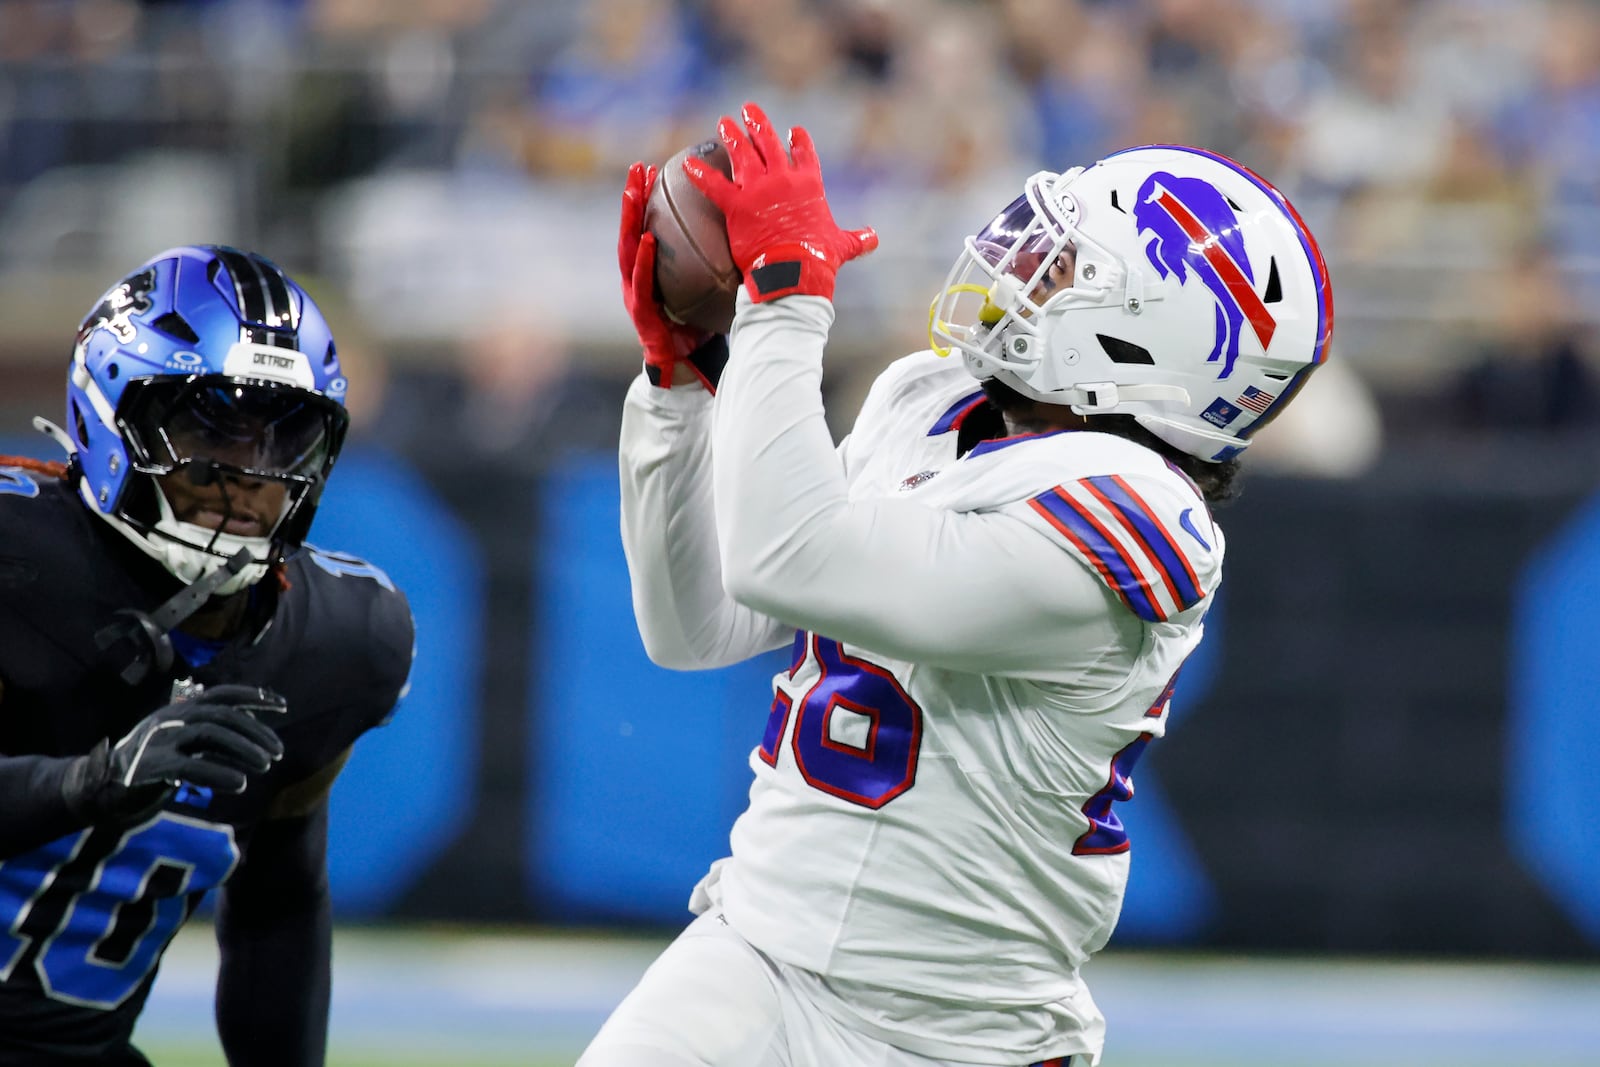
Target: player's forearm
pixel 780 490
pixel 274 985
pixel 33 808
pixel 275 933
pixel 965 590
pixel 685 618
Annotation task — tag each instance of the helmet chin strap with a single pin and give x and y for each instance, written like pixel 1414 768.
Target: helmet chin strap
pixel 135 644
pixel 1103 398
pixel 1092 398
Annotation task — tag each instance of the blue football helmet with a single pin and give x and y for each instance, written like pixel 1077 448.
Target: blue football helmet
pixel 210 363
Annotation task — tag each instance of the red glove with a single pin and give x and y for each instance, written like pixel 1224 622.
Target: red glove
pixel 780 230
pixel 666 343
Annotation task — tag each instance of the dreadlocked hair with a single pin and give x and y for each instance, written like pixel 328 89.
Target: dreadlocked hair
pixel 1216 481
pixel 50 468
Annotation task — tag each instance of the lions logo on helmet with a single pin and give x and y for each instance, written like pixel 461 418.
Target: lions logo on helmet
pixel 206 363
pixel 1198 302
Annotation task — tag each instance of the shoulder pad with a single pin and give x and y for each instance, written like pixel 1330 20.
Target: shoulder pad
pixel 14 481
pixel 341 565
pixel 41 517
pixel 364 599
pixel 918 394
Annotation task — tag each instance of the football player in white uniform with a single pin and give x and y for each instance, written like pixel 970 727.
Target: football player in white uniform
pixel 989 587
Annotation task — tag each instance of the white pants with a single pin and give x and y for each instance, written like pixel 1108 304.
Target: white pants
pixel 712 1000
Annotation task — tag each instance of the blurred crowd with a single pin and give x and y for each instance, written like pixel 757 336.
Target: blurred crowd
pixel 452 165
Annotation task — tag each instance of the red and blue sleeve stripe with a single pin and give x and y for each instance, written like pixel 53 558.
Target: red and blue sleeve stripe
pixel 1148 533
pixel 1079 526
pixel 953 418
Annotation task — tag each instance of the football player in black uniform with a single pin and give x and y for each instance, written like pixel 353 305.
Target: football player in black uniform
pixel 181 677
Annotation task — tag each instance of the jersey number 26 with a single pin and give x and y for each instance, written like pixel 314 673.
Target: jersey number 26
pixel 856 731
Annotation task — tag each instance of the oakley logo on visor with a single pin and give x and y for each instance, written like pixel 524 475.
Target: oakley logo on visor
pixel 1194 226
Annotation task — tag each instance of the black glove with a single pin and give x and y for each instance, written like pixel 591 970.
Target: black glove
pixel 213 739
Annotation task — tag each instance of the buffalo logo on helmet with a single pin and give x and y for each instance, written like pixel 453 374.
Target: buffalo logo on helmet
pixel 1195 226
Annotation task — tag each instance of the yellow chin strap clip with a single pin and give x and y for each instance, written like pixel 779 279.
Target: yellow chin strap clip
pixel 989 314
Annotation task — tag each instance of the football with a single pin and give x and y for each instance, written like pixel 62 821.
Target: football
pixel 695 276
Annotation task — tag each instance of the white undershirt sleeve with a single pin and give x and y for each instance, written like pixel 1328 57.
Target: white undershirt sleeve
pixel 979 591
pixel 686 619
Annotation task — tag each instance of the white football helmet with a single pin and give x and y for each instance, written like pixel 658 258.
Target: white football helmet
pixel 1198 303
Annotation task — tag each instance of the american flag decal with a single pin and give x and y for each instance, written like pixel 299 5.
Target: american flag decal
pixel 1253 399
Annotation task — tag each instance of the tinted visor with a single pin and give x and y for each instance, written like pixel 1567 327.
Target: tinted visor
pixel 1015 242
pixel 264 430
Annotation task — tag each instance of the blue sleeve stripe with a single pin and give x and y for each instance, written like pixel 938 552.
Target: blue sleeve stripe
pixel 995 444
pixel 1139 520
pixel 952 419
pixel 1086 534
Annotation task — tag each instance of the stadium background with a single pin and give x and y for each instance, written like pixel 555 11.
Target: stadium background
pixel 1387 747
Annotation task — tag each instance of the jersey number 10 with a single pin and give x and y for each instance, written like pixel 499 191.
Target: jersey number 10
pixel 112 933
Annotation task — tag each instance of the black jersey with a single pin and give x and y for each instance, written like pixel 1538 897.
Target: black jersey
pixel 85 919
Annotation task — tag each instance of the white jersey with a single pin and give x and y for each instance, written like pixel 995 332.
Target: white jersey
pixel 986 643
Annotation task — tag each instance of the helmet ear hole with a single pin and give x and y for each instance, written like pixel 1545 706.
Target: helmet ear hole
pixel 1120 351
pixel 80 427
